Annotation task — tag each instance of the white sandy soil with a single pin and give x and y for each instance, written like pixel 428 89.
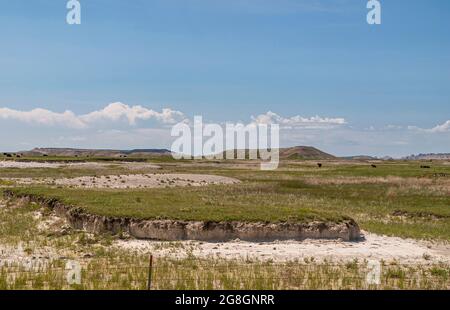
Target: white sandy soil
pixel 374 247
pixel 24 165
pixel 132 181
pixel 93 165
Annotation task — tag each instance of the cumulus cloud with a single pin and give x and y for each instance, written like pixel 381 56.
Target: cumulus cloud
pixel 117 111
pixel 445 127
pixel 315 122
pixel 441 128
pixel 111 113
pixel 43 117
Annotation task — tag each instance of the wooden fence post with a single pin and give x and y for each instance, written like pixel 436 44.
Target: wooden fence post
pixel 150 269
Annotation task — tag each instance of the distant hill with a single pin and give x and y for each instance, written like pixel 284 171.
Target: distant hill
pixel 71 152
pixel 304 152
pixel 430 156
pixel 298 153
pixel 360 157
pixel 290 153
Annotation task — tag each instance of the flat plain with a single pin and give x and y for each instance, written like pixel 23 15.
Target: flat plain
pixel 397 204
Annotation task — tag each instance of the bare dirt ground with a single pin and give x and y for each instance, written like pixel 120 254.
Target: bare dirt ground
pixel 92 165
pixel 374 247
pixel 131 181
pixel 25 165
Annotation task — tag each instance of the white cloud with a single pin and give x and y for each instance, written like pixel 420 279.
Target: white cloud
pixel 441 128
pixel 113 112
pixel 390 140
pixel 315 122
pixel 116 111
pixel 43 117
pixel 445 127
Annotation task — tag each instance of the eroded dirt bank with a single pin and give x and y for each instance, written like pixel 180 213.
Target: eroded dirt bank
pixel 378 247
pixel 172 230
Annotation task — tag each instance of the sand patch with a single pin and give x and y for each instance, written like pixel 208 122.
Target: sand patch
pixel 374 247
pixel 132 181
pixel 86 165
pixel 25 165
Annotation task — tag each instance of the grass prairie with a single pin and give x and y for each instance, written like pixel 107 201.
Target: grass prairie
pixel 396 198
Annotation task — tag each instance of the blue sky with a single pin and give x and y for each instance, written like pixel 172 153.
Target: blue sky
pixel 228 61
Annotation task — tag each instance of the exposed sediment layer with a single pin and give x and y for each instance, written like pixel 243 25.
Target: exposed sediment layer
pixel 172 230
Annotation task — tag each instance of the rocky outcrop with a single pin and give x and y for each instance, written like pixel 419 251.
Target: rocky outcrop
pixel 172 230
